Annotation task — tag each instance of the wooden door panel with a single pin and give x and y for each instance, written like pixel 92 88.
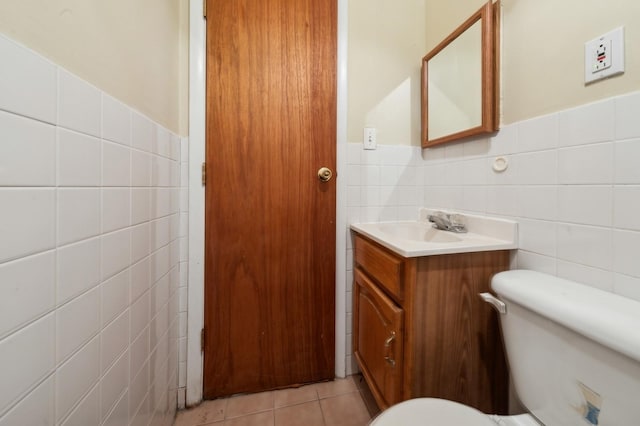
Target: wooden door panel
pixel 378 344
pixel 270 223
pixel 460 326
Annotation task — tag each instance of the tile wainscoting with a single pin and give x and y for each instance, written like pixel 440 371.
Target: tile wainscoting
pixel 92 252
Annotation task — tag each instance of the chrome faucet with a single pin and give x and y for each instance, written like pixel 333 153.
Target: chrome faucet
pixel 448 222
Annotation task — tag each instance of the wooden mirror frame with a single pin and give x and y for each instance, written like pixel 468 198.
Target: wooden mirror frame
pixel 489 16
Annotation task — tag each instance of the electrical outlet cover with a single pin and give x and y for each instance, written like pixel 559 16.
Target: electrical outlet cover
pixel 604 56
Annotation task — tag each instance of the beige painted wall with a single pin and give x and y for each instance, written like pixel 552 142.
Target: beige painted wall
pixel 386 42
pixel 135 50
pixel 530 30
pixel 387 39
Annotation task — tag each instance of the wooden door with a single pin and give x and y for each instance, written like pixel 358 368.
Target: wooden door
pixel 270 222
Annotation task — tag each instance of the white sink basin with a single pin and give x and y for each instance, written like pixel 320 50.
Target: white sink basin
pixel 418 231
pixel 419 238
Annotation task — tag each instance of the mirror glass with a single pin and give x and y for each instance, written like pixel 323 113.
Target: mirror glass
pixel 455 85
pixel 459 89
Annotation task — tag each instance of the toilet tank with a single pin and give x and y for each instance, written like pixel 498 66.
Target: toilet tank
pixel 573 350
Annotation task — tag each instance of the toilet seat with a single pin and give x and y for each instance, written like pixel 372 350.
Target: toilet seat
pixel 432 411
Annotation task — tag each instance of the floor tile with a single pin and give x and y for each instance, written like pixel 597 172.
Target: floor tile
pixel 261 419
pixel 249 404
pixel 336 387
pixel 366 395
pixel 345 410
pixel 337 403
pixel 204 414
pixel 287 397
pixel 307 414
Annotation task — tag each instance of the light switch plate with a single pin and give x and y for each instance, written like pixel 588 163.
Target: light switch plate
pixel 369 138
pixel 604 56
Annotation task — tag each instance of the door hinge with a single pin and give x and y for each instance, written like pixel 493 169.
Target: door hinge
pixel 204 174
pixel 204 9
pixel 202 340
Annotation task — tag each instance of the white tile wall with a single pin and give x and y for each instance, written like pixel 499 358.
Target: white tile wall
pixel 182 279
pixel 573 184
pixel 116 208
pixel 79 104
pixel 78 269
pixel 71 333
pixel 27 220
pixel 90 264
pixel 115 252
pixel 78 214
pixel 31 144
pixel 27 357
pixel 120 413
pixel 28 87
pixel 143 133
pixel 116 121
pixel 626 116
pixel 115 296
pixel 113 384
pixel 116 165
pixel 33 293
pixel 588 164
pixel 587 124
pixel 35 408
pixel 114 340
pixel 626 157
pixel 76 377
pixel 78 159
pixel 87 411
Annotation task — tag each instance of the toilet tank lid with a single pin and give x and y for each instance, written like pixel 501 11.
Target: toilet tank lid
pixel 607 318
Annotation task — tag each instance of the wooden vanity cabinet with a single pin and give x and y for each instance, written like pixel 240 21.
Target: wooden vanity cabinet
pixel 421 330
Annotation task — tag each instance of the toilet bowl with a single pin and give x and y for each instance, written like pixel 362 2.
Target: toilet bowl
pixel 421 411
pixel 434 411
pixel 573 352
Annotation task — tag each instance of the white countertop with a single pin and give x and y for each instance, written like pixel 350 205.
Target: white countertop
pixel 418 238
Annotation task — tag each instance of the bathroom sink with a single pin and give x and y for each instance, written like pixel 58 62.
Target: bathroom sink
pixel 417 238
pixel 418 231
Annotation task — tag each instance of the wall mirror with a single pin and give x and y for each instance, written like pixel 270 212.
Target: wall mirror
pixel 459 81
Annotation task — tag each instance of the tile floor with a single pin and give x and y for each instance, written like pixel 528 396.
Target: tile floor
pixel 337 403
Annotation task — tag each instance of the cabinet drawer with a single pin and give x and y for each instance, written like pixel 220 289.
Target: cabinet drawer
pixel 381 265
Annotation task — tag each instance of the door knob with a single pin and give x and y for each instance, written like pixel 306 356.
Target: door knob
pixel 325 174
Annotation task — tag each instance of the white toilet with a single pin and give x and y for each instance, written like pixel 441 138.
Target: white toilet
pixel 573 352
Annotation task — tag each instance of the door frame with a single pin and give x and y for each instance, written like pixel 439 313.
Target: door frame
pixel 197 128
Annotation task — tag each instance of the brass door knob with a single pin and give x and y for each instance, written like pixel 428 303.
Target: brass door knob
pixel 325 174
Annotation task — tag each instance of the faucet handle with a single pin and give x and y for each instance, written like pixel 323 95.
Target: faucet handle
pixel 448 221
pixel 437 215
pixel 457 220
pixel 458 223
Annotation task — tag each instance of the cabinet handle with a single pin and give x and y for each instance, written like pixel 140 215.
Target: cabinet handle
pixel 387 346
pixel 387 343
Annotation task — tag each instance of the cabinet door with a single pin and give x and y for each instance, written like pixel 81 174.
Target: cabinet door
pixel 378 340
